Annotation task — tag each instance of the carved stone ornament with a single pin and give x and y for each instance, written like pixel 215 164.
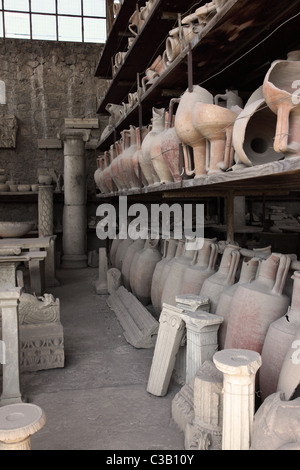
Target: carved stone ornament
pixel 33 310
pixel 8 131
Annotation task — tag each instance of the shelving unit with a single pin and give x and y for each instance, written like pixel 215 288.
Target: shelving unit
pixel 234 51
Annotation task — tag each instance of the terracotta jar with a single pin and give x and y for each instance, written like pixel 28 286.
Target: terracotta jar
pixel 279 91
pixel 140 178
pixel 203 267
pixel 170 247
pixel 113 250
pixel 115 173
pixel 179 38
pixel 258 304
pixel 106 173
pixel 289 377
pixel 126 159
pixel 133 248
pixel 99 176
pixel 248 274
pixel 215 124
pixel 167 268
pixel 121 252
pixel 173 284
pixel 279 339
pixel 171 146
pixel 141 276
pixel 156 154
pixel 213 287
pixel 158 122
pixel 188 134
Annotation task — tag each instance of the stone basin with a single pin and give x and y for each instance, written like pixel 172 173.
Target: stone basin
pixel 15 229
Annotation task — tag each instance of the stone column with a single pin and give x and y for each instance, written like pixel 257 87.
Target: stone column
pixel 9 301
pixel 170 332
pixel 45 211
pixel 75 211
pixel 239 367
pixel 202 340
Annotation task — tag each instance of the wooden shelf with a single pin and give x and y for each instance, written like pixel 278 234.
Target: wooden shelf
pixel 279 177
pixel 234 50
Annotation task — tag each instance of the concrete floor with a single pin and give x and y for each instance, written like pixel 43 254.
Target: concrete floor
pixel 99 400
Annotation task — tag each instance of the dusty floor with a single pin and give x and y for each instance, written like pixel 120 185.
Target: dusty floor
pixel 99 400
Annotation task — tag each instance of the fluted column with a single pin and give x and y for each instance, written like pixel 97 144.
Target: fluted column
pixel 9 301
pixel 202 340
pixel 239 367
pixel 170 332
pixel 75 211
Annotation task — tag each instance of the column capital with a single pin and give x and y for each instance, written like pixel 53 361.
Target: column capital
pixel 10 297
pixel 80 134
pixel 201 320
pixel 240 362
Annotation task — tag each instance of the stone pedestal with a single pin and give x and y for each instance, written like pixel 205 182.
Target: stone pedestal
pixel 18 423
pixel 239 367
pixel 9 301
pixel 202 340
pixel 75 211
pixel 170 333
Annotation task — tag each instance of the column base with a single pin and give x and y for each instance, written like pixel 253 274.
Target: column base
pixel 74 262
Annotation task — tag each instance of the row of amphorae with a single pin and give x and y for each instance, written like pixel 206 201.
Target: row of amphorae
pixel 260 312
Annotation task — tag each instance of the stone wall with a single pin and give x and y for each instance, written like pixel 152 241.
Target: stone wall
pixel 44 82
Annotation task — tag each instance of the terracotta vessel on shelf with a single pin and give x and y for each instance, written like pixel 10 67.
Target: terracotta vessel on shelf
pixel 156 154
pixel 115 173
pixel 140 178
pixel 213 287
pixel 257 304
pixel 188 134
pixel 231 98
pixel 167 268
pixel 141 278
pixel 171 147
pixel 135 22
pixel 126 160
pixel 254 133
pixel 203 267
pixel 280 92
pixel 170 247
pixel 179 38
pixel 106 172
pixel 248 274
pixel 99 176
pixel 158 123
pixel 133 248
pixel 173 284
pixel 278 341
pixel 215 123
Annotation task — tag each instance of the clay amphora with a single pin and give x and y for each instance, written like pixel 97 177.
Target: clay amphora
pixel 231 98
pixel 135 22
pixel 136 246
pixel 115 111
pixel 115 173
pixel 280 92
pixel 113 250
pixel 203 267
pixel 158 121
pixel 141 278
pixel 289 377
pixel 171 147
pixel 161 168
pixel 254 133
pixel 106 172
pixel 99 176
pixel 213 287
pixel 215 124
pixel 258 304
pixel 121 252
pixel 179 38
pixel 248 274
pixel 140 178
pixel 173 284
pixel 170 247
pixel 279 339
pixel 126 160
pixel 167 268
pixel 188 134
